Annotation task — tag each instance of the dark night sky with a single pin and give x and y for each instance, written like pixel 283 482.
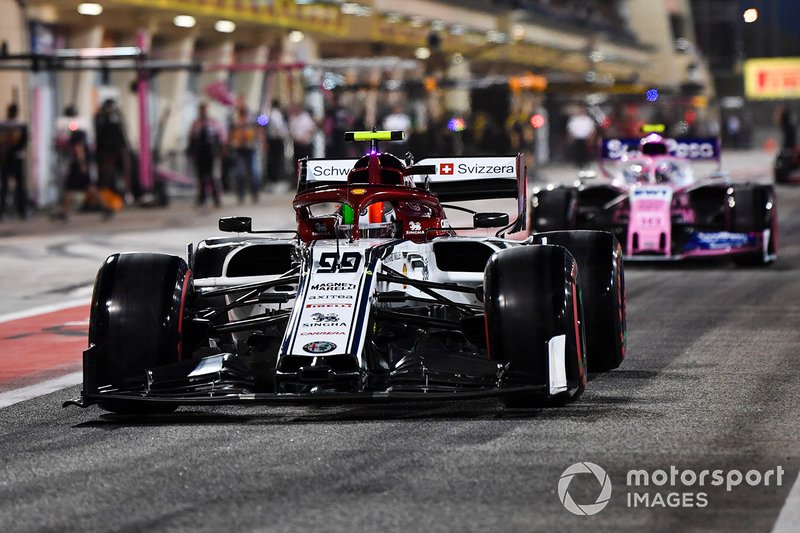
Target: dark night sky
pixel 780 15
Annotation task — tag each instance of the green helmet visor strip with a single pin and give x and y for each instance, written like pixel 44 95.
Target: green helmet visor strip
pixel 348 214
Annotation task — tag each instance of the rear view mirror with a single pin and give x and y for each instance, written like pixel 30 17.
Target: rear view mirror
pixel 490 220
pixel 236 224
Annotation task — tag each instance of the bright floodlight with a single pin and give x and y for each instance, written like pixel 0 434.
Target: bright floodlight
pixel 90 9
pixel 422 52
pixel 225 26
pixel 296 36
pixel 751 15
pixel 184 21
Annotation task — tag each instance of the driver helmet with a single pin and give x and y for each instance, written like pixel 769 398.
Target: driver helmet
pixel 635 173
pixel 667 172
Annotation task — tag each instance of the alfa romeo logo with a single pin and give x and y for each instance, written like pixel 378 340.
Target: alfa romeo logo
pixel 586 509
pixel 319 347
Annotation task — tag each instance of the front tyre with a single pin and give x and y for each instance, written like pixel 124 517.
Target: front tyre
pixel 533 319
pixel 135 322
pixel 754 211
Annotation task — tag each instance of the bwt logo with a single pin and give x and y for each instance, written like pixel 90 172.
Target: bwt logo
pixel 446 169
pixel 586 509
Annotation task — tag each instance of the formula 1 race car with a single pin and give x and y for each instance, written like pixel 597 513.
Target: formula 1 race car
pixel 375 297
pixel 656 208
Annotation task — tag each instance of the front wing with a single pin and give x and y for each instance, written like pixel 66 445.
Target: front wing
pixel 228 379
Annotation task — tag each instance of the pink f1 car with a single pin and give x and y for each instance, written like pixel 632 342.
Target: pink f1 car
pixel 649 198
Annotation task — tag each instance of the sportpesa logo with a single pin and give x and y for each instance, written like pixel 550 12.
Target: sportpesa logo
pixel 586 509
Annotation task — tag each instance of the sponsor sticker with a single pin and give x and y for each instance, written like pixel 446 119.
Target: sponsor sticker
pixel 325 317
pixel 333 286
pixel 319 347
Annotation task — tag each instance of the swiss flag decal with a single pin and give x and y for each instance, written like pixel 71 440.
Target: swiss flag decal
pixel 445 168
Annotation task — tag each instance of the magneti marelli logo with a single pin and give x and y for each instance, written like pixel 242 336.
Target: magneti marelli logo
pixel 584 509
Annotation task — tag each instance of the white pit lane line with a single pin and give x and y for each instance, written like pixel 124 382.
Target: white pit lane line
pixel 8 317
pixel 40 389
pixel 51 385
pixel 789 517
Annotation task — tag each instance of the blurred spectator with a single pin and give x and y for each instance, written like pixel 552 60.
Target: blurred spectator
pixel 243 140
pixel 206 140
pixel 302 129
pixel 787 121
pixel 78 177
pixel 493 138
pixel 398 120
pixel 277 133
pixel 338 120
pixel 112 151
pixel 13 143
pixel 580 132
pixel 733 130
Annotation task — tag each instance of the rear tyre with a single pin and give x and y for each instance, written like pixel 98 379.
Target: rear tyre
pixel 754 211
pixel 602 283
pixel 534 324
pixel 554 209
pixel 136 322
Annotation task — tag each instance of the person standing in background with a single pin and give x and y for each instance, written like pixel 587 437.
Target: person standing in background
pixel 242 143
pixel 302 129
pixel 277 133
pixel 787 121
pixel 206 140
pixel 78 177
pixel 581 132
pixel 338 121
pixel 398 120
pixel 13 144
pixel 112 152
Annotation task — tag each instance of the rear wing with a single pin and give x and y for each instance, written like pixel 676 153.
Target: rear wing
pixel 695 149
pixel 700 148
pixel 455 179
pixel 452 179
pixel 313 173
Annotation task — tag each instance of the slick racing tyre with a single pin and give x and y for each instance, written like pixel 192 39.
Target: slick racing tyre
pixel 754 211
pixel 136 321
pixel 602 283
pixel 534 324
pixel 554 209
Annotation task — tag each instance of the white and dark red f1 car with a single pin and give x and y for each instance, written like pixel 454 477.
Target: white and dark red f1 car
pixel 652 202
pixel 374 298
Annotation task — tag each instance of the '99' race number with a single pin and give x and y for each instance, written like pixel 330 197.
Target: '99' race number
pixel 329 262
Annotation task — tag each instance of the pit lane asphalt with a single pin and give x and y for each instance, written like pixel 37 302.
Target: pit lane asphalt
pixel 712 381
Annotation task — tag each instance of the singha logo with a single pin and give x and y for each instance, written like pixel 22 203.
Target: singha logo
pixel 325 317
